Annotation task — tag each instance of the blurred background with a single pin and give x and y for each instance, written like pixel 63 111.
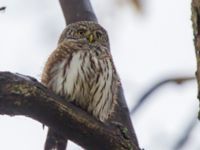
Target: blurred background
pixel 151 41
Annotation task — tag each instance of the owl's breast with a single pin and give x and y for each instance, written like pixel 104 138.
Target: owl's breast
pixel 72 78
pixel 86 79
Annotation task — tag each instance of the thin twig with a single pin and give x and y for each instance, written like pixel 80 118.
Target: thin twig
pixel 143 98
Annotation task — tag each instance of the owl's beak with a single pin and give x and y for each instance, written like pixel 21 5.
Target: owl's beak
pixel 90 38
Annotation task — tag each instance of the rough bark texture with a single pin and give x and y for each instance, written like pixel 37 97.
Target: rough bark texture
pixel 76 10
pixel 196 32
pixel 23 95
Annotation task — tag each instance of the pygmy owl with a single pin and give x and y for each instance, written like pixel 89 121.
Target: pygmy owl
pixel 81 69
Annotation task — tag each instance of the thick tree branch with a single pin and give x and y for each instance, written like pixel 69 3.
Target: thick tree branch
pixel 23 95
pixel 196 32
pixel 77 10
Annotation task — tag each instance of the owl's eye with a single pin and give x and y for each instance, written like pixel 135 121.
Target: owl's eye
pixel 98 34
pixel 81 31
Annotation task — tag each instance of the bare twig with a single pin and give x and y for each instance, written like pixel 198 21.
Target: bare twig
pixel 143 98
pixel 22 95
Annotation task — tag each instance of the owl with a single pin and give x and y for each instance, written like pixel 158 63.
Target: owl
pixel 81 70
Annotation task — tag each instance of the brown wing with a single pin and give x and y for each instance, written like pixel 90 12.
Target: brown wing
pixel 63 51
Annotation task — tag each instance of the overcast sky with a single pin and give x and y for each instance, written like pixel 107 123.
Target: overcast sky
pixel 146 48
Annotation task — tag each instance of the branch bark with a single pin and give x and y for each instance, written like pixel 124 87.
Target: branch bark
pixel 23 95
pixel 196 32
pixel 77 10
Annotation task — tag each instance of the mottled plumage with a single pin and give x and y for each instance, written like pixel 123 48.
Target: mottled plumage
pixel 81 69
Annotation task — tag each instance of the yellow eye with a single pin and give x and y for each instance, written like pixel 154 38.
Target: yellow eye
pixel 81 31
pixel 98 34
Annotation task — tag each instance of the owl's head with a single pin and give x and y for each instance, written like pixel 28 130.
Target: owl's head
pixel 89 31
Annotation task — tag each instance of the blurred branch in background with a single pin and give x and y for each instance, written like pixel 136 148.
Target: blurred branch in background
pixel 177 80
pixel 137 4
pixel 186 134
pixel 2 8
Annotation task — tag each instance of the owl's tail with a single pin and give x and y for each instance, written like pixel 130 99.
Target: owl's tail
pixel 55 141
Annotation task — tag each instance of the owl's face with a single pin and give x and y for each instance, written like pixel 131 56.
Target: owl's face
pixel 89 31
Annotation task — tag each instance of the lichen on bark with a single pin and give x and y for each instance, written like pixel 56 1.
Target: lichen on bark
pixel 22 89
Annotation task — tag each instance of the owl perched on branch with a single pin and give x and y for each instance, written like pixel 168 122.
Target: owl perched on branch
pixel 81 70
